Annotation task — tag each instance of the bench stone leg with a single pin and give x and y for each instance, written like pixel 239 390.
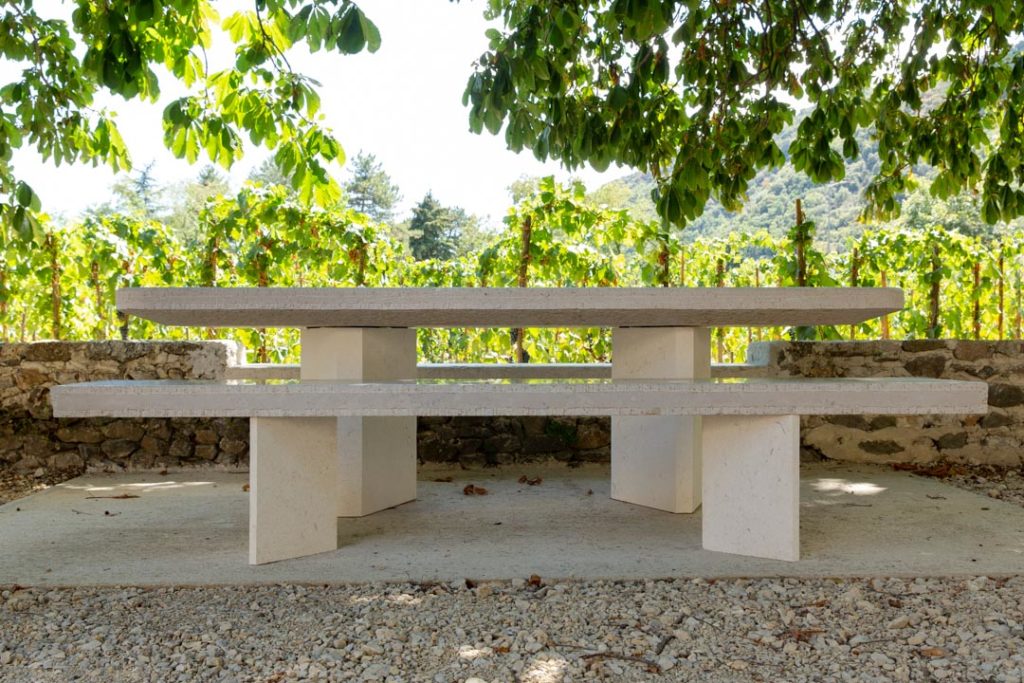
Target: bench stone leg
pixel 292 469
pixel 656 461
pixel 752 485
pixel 376 455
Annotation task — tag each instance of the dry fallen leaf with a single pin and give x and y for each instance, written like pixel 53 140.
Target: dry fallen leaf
pixel 445 480
pixel 245 487
pixel 530 481
pixel 474 490
pixel 122 496
pixel 803 634
pixel 502 649
pixel 470 583
pixel 933 652
pixel 590 492
pixel 939 470
pixel 162 473
pixel 535 580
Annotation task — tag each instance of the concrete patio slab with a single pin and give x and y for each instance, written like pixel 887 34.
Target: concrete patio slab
pixel 191 528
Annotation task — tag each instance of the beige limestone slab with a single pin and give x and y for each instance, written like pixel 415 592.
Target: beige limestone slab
pixel 751 486
pixel 293 465
pixel 507 307
pixel 195 398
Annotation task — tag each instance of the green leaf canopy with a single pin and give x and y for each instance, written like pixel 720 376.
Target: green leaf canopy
pixel 695 93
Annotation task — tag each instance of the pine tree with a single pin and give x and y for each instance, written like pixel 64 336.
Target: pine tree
pixel 435 230
pixel 370 190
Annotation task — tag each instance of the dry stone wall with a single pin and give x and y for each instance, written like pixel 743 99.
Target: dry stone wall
pixel 31 441
pixel 996 438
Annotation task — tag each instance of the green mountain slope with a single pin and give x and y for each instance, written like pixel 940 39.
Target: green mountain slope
pixel 772 195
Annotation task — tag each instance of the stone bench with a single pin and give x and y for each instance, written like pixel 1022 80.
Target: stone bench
pixel 304 432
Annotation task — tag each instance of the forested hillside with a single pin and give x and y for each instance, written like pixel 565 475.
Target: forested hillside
pixel 834 207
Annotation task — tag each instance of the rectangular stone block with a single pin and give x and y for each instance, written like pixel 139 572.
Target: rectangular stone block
pixel 293 465
pixel 751 486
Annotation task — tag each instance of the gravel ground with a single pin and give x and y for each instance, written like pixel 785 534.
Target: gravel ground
pixel 996 482
pixel 727 630
pixel 737 630
pixel 14 486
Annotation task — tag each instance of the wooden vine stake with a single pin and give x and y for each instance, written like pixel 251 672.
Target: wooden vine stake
pixel 933 298
pixel 976 294
pixel 757 283
pixel 854 277
pixel 885 318
pixel 526 232
pixel 55 294
pixel 263 280
pixel 999 324
pixel 211 267
pixel 664 255
pixel 3 302
pixel 720 332
pixel 1017 312
pixel 801 247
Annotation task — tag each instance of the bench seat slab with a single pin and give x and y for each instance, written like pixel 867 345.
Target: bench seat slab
pixel 789 396
pixel 751 485
pixel 293 465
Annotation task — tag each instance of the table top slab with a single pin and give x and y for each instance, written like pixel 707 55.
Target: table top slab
pixel 508 307
pixel 800 396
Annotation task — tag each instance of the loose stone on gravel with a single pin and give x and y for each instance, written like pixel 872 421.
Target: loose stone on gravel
pixel 1001 483
pixel 683 630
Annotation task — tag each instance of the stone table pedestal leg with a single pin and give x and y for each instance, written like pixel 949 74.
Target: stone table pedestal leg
pixel 752 485
pixel 376 455
pixel 656 460
pixel 292 498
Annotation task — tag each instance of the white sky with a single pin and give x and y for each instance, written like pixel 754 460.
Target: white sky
pixel 403 104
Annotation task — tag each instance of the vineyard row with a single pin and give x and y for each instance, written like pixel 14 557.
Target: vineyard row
pixel 62 285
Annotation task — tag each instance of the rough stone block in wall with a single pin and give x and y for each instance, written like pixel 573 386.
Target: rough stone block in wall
pixel 995 438
pixel 31 440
